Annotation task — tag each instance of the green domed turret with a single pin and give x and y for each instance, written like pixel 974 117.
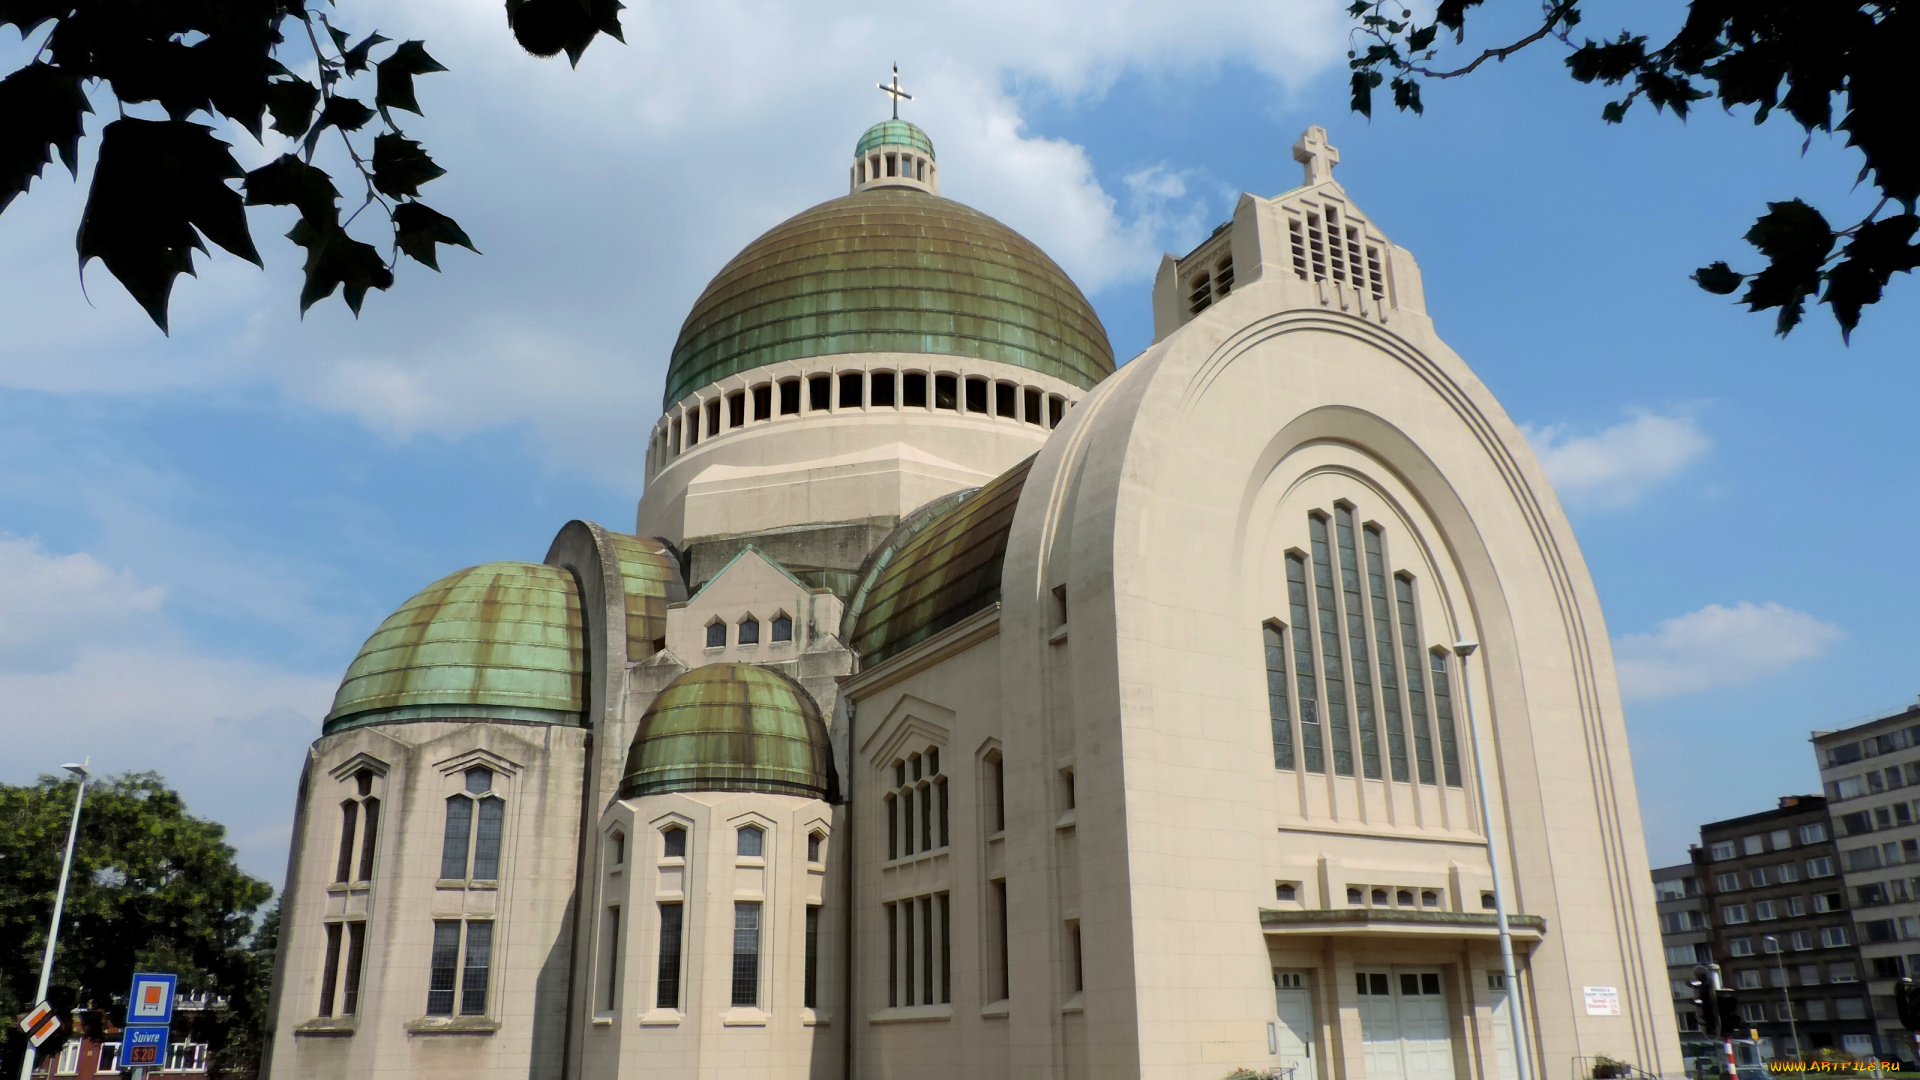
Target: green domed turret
pixel 498 641
pixel 894 133
pixel 730 727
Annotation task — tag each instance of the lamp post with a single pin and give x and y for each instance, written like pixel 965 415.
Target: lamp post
pixel 1780 967
pixel 59 901
pixel 1522 1051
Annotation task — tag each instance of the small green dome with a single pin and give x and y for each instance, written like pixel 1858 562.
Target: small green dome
pixel 890 269
pixel 730 727
pixel 502 640
pixel 894 133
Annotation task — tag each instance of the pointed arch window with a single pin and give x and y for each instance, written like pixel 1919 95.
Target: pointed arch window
pixel 476 823
pixel 1278 712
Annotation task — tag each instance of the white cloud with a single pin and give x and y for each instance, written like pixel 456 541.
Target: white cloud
pixel 605 197
pixel 51 606
pixel 89 667
pixel 1718 646
pixel 1613 469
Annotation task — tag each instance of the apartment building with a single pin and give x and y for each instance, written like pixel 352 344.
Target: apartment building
pixel 1871 773
pixel 1763 897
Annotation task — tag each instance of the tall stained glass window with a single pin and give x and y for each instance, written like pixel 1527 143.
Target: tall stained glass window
pixel 1382 610
pixel 1277 710
pixel 1358 650
pixel 1416 685
pixel 1443 715
pixel 1312 746
pixel 1333 666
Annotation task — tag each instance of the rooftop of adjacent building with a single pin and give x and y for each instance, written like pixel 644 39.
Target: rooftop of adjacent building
pixel 1790 807
pixel 1869 724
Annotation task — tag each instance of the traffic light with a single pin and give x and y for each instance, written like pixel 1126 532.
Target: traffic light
pixel 1906 1000
pixel 1729 1009
pixel 1703 1004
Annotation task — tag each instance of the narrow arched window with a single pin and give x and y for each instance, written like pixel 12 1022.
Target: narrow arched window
pixel 674 843
pixel 464 846
pixel 749 631
pixel 752 841
pixel 782 628
pixel 486 841
pixel 716 635
pixel 453 846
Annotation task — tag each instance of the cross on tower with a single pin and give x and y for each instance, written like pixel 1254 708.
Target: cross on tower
pixel 1314 152
pixel 895 92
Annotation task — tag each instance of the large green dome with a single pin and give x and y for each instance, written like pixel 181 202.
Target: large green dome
pixel 730 727
pixel 502 640
pixel 890 269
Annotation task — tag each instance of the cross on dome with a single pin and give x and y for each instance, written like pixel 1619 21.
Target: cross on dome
pixel 1314 152
pixel 895 92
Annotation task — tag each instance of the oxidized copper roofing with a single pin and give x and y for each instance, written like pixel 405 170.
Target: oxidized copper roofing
pixel 948 571
pixel 730 727
pixel 499 640
pixel 647 569
pixel 890 270
pixel 894 133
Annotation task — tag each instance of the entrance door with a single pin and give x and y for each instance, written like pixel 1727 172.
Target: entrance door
pixel 1502 1024
pixel 1404 1030
pixel 1295 1030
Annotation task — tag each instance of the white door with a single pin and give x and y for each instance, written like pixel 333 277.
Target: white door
pixel 1502 1024
pixel 1404 1031
pixel 1294 1033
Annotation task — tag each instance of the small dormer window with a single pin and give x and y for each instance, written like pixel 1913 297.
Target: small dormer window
pixel 749 631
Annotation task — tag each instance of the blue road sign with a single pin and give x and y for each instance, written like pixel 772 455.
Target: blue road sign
pixel 151 999
pixel 143 1046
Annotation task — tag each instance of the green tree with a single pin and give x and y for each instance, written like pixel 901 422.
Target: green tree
pixel 152 888
pixel 164 181
pixel 1806 59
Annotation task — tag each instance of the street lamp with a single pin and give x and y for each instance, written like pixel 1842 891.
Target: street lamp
pixel 1780 966
pixel 1522 1050
pixel 59 901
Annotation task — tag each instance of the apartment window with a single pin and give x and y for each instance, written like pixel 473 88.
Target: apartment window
pixel 1866 858
pixel 1679 954
pixel 1734 914
pixel 749 631
pixel 782 628
pixel 463 845
pixel 1796 906
pixel 716 635
pixel 1835 937
pixel 1749 979
pixel 1312 751
pixel 1754 1013
pixel 1781 838
pixel 1757 877
pixel 1754 845
pixel 1278 714
pixel 1813 834
pixel 1809 974
pixel 810 984
pixel 454 968
pixel 1726 882
pixel 1816 1009
pixel 1770 944
pixel 1842 972
pixel 1787 872
pixel 1721 849
pixel 1851 1008
pixel 1886 967
pixel 1832 901
pixel 1670 889
pixel 746 953
pixel 1740 947
pixel 1820 867
pixel 1766 909
pixel 751 841
pixel 1860 821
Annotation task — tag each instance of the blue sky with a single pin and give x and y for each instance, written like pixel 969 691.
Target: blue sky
pixel 197 532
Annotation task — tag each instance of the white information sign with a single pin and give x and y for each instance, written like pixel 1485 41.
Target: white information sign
pixel 1602 1000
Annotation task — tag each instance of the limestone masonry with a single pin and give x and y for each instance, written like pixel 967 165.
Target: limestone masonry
pixel 960 705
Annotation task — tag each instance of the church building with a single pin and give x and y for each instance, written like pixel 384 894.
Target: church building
pixel 961 704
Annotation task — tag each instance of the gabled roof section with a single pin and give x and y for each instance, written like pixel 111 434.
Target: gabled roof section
pixel 949 570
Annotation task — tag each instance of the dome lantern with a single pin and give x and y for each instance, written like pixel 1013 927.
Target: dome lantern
pixel 894 153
